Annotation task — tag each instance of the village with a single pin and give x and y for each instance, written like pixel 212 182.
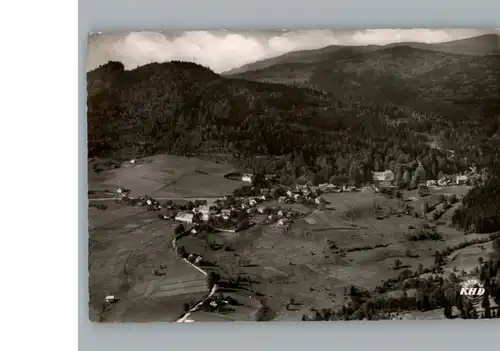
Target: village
pixel 387 179
pixel 250 205
pixel 234 212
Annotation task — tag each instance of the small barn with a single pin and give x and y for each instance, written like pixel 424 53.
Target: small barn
pixel 247 177
pixel 184 217
pixel 384 178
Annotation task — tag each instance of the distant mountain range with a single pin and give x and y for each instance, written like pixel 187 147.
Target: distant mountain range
pixel 488 44
pixel 433 78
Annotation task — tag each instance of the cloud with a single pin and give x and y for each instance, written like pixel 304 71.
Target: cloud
pixel 224 50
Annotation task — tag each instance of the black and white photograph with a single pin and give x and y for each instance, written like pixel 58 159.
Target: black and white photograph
pixel 293 175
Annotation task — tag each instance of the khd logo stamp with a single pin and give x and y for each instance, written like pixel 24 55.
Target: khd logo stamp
pixel 472 289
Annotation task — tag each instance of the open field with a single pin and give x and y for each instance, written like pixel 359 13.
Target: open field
pixel 124 251
pixel 166 176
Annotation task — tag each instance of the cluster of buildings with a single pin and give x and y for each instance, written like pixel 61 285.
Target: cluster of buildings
pixel 461 179
pixel 201 213
pixel 308 193
pixel 239 211
pixel 280 217
pixel 312 194
pixel 145 200
pixel 386 179
pixel 122 192
pixel 194 259
pixel 302 193
pixel 332 188
pixel 204 213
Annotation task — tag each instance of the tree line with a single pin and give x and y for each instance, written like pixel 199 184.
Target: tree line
pixel 480 210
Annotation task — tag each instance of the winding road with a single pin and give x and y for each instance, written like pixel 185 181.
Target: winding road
pixel 185 317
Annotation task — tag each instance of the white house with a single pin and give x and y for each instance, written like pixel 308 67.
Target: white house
pixel 443 182
pixel 247 177
pixel 283 221
pixel 132 161
pixel 281 199
pixel 289 193
pixel 386 176
pixel 206 212
pixel 431 183
pixel 280 213
pixel 226 213
pixel 184 217
pixel 110 299
pixel 462 179
pixel 317 200
pixel 252 202
pixel 122 191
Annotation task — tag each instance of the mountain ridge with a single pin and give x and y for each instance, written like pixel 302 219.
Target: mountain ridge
pixel 486 44
pixel 428 80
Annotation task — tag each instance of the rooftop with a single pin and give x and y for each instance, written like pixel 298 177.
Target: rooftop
pixel 184 215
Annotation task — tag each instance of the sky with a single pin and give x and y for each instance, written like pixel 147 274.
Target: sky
pixel 224 50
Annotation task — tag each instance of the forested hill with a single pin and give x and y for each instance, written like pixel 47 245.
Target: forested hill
pixel 184 108
pixel 430 81
pixel 458 95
